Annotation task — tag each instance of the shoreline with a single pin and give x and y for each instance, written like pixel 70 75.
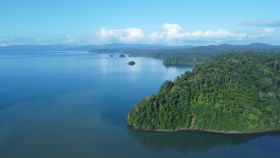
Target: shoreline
pixel 206 131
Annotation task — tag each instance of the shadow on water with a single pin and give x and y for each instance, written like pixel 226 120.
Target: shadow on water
pixel 115 117
pixel 186 141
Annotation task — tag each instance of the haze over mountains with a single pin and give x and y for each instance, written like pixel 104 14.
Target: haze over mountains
pixel 115 47
pixel 88 47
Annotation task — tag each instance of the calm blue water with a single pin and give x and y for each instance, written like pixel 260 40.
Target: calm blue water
pixel 75 104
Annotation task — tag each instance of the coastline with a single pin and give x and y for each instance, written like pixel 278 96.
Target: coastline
pixel 207 131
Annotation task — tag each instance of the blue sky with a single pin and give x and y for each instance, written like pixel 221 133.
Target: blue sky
pixel 172 22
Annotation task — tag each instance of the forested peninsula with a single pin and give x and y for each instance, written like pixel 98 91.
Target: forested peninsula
pixel 235 92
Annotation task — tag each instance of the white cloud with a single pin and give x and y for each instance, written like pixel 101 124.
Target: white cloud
pixel 170 34
pixel 269 30
pixel 172 28
pixel 70 38
pixel 129 35
pixel 174 32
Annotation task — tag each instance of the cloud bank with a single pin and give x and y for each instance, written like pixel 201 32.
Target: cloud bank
pixel 168 34
pixel 173 33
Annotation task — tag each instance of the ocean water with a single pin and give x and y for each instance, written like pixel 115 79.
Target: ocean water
pixel 75 104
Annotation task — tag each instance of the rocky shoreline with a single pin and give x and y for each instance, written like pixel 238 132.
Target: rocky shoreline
pixel 208 131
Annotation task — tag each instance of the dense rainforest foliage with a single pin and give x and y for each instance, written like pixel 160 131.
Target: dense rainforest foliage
pixel 237 91
pixel 183 61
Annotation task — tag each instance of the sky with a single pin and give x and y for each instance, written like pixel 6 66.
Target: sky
pixel 166 22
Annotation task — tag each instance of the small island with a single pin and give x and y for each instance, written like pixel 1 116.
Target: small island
pixel 131 63
pixel 231 93
pixel 122 55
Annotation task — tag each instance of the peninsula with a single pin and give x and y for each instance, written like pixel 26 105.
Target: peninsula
pixel 237 92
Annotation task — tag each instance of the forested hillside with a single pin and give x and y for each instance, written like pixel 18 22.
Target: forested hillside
pixel 230 92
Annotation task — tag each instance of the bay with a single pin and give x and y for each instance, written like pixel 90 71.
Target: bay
pixel 75 104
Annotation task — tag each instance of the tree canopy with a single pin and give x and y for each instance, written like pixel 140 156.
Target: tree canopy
pixel 234 91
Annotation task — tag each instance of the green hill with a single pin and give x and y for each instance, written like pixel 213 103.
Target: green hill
pixel 232 92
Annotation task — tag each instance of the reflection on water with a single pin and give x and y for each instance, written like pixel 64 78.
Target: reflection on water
pixel 104 65
pixel 186 141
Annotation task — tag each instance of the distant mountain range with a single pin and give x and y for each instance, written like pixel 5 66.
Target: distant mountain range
pixel 167 51
pixel 142 48
pixel 84 47
pixel 204 51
